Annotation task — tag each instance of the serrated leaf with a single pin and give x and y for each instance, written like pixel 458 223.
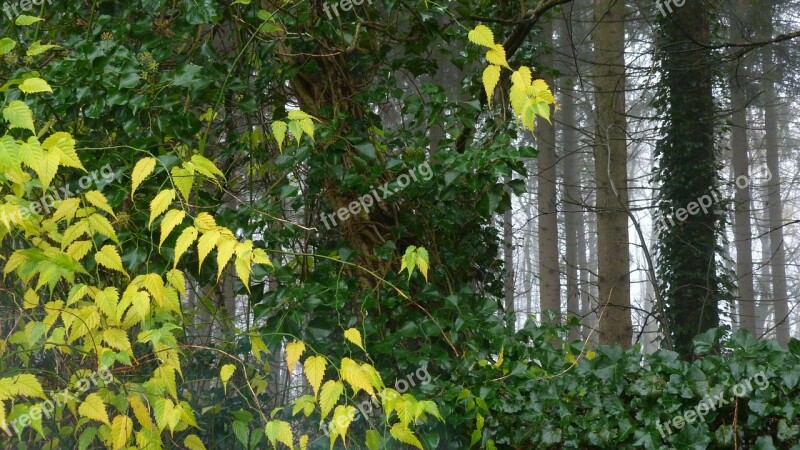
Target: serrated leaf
pixel 63 144
pixel 314 368
pixel 404 435
pixel 94 408
pixel 354 375
pixel 491 76
pixel 99 224
pixel 185 240
pixel 183 180
pixel 121 430
pixel 117 339
pixel 160 204
pixel 143 168
pixel 172 218
pixel 354 336
pixel 37 48
pixel 205 222
pixel 421 258
pixel 481 35
pixel 226 246
pixel 25 385
pixel 225 374
pixel 66 210
pixel 294 350
pixel 206 167
pixel 192 442
pixel 279 431
pixel 30 300
pixel 35 85
pixel 243 270
pixel 79 249
pixel 303 441
pixel 98 200
pixel 177 280
pixel 409 261
pixel 497 55
pixel 279 132
pixel 308 127
pixel 25 20
pixel 205 244
pixel 140 411
pixel 329 395
pixel 342 418
pixel 109 258
pixel 18 115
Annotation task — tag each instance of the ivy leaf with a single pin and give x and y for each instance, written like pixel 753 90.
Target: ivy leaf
pixel 294 350
pixel 314 368
pixel 279 431
pixel 329 395
pixel 109 258
pixel 94 408
pixel 192 442
pixel 172 218
pixel 354 336
pixel 187 237
pixel 143 168
pixel 491 76
pixel 481 35
pixel 35 85
pixel 160 204
pixel 404 435
pixel 225 374
pixel 121 430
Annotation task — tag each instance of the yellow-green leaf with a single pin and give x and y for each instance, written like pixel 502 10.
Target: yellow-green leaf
pixel 160 204
pixel 225 248
pixel 225 374
pixel 109 258
pixel 279 431
pixel 35 85
pixel 143 168
pixel 117 339
pixel 342 417
pixel 25 20
pixel 491 76
pixel 177 280
pixel 140 411
pixel 294 350
pixel 37 48
pixel 497 55
pixel 94 408
pixel 30 300
pixel 303 442
pixel 183 180
pixel 329 395
pixel 187 237
pixel 18 115
pixel 121 430
pixel 481 35
pixel 205 244
pixel 172 218
pixel 404 435
pixel 279 132
pixel 63 144
pixel 355 376
pixel 205 222
pixel 314 368
pixel 97 199
pixel 206 167
pixel 354 336
pixel 25 385
pixel 192 442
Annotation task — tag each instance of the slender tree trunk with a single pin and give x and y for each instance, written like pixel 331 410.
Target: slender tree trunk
pixel 546 199
pixel 508 256
pixel 611 157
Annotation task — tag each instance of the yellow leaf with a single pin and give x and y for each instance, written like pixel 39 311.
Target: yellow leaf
pixel 172 218
pixel 303 442
pixel 186 239
pixel 294 350
pixel 121 430
pixel 355 376
pixel 140 411
pixel 79 249
pixel 63 145
pixel 497 55
pixel 314 368
pixel 225 374
pixel 205 222
pixel 25 385
pixel 34 85
pixel 160 204
pixel 522 77
pixel 279 431
pixel 591 354
pixel 329 395
pixel 499 362
pixel 30 300
pixel 192 442
pixel 206 167
pixel 491 75
pixel 279 132
pixel 243 271
pixel 94 408
pixel 481 35
pixel 143 168
pixel 404 435
pixel 183 180
pixel 97 199
pixel 177 280
pixel 342 417
pixel 99 224
pixel 109 258
pixel 260 257
pixel 19 115
pixel 205 244
pixel 66 209
pixel 308 127
pixel 354 336
pixel 225 248
pixel 117 339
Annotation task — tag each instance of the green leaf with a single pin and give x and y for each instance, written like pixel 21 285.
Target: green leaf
pixel 23 20
pixel 6 45
pixel 373 440
pixel 35 85
pixel 279 431
pixel 279 132
pixel 37 48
